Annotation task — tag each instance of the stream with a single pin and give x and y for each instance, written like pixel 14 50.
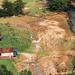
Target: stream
pixel 72 19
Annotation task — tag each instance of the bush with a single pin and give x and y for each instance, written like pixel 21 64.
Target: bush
pixel 10 9
pixel 25 72
pixel 60 5
pixel 18 6
pixel 4 71
pixel 2 13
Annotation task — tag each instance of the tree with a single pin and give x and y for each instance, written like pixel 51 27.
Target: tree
pixel 18 6
pixel 8 8
pixel 25 72
pixel 60 5
pixel 4 71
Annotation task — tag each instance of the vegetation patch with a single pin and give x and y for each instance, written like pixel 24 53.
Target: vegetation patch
pixel 67 44
pixel 31 6
pixel 42 54
pixel 9 64
pixel 15 37
pixel 60 5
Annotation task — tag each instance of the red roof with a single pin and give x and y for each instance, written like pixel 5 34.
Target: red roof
pixel 6 50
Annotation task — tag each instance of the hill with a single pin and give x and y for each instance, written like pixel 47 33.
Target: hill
pixel 45 42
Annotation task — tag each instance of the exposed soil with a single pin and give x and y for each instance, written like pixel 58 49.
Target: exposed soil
pixel 56 63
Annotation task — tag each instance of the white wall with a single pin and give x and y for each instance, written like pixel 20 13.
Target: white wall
pixel 7 54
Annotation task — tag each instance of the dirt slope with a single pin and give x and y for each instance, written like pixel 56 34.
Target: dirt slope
pixel 50 29
pixel 52 35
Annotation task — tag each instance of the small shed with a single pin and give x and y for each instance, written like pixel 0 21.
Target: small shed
pixel 7 53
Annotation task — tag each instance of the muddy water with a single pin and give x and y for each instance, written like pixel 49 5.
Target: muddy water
pixel 72 19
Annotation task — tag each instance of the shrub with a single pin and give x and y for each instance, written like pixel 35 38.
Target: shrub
pixel 60 5
pixel 25 72
pixel 18 6
pixel 4 71
pixel 8 8
pixel 2 13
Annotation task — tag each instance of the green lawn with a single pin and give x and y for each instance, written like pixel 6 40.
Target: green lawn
pixel 15 37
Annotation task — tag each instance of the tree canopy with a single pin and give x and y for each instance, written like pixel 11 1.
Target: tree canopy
pixel 18 6
pixel 4 70
pixel 10 9
pixel 60 5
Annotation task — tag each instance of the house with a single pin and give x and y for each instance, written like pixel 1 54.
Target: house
pixel 7 53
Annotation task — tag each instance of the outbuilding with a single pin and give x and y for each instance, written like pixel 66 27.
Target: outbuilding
pixel 7 53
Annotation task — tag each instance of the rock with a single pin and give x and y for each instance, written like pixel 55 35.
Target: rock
pixel 13 16
pixel 36 41
pixel 26 8
pixel 37 46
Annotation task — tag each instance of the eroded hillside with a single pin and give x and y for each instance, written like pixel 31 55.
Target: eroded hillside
pixel 50 31
pixel 50 35
pixel 53 41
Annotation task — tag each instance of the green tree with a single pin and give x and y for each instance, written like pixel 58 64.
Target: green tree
pixel 60 5
pixel 25 72
pixel 18 6
pixel 4 71
pixel 8 8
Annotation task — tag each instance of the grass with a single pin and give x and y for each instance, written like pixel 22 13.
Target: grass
pixel 67 44
pixel 73 61
pixel 9 64
pixel 4 20
pixel 15 37
pixel 34 6
pixel 42 54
